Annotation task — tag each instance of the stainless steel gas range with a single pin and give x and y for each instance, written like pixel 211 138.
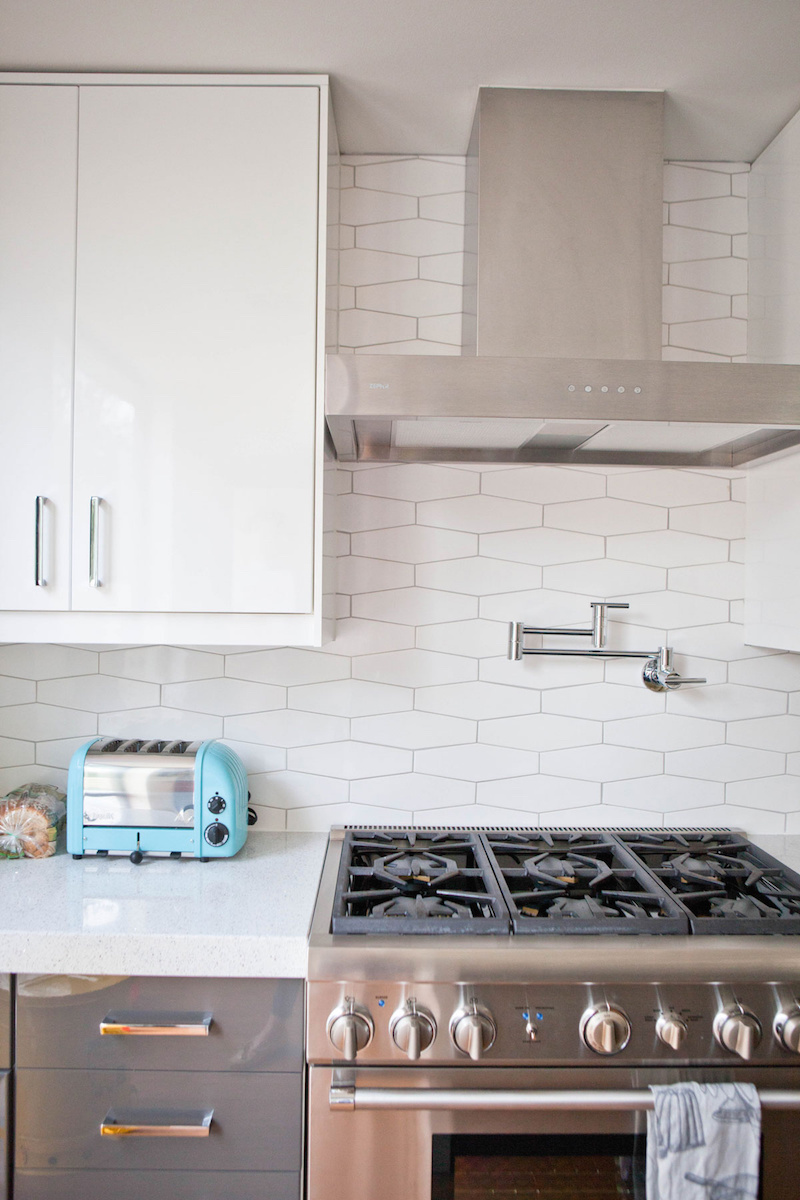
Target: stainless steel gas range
pixel 485 1002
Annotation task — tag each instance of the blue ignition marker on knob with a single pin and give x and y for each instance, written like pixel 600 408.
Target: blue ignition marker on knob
pixel 381 1003
pixel 526 1016
pixel 540 1016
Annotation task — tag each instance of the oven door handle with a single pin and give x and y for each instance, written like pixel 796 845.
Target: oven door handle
pixel 348 1098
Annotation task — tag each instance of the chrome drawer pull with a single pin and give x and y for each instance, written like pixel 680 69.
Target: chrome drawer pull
pixel 39 542
pixel 157 1024
pixel 138 1122
pixel 94 542
pixel 346 1098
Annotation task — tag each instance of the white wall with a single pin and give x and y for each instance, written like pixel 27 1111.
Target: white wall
pixel 414 711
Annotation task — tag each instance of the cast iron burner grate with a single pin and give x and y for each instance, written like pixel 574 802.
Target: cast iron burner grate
pixel 431 881
pixel 556 882
pixel 725 883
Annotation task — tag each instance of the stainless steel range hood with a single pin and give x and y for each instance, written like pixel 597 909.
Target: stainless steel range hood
pixel 562 314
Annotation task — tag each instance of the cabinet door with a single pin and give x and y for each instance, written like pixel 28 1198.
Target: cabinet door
pixel 38 152
pixel 195 348
pixel 772 581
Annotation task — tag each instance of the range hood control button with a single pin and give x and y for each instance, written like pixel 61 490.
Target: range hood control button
pixel 605 1030
pixel 413 1029
pixel 787 1030
pixel 737 1030
pixel 473 1030
pixel 350 1029
pixel 671 1030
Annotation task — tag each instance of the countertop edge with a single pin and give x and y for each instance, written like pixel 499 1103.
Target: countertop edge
pixel 242 917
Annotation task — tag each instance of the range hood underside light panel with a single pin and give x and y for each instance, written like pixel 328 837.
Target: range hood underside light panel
pixel 380 409
pixel 633 443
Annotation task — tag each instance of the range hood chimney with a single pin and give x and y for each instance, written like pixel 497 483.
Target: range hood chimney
pixel 562 324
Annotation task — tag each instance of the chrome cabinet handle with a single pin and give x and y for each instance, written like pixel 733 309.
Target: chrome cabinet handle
pixel 39 546
pixel 347 1098
pixel 138 1122
pixel 94 542
pixel 122 1024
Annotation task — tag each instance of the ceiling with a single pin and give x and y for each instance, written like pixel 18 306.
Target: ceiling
pixel 405 72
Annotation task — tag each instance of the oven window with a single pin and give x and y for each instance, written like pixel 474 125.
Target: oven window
pixel 515 1167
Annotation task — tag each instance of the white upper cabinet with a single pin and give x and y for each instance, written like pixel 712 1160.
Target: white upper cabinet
pixel 38 180
pixel 196 272
pixel 772 589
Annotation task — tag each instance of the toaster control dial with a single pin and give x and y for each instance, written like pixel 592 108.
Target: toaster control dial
pixel 605 1029
pixel 738 1030
pixel 350 1028
pixel 217 834
pixel 787 1030
pixel 216 805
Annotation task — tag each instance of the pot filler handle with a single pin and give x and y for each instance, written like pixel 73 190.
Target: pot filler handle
pixel 348 1098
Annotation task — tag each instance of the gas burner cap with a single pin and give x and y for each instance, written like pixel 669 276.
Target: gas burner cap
pixel 744 907
pixel 690 869
pixel 556 870
pixel 415 872
pixel 565 872
pixel 564 907
pixel 420 907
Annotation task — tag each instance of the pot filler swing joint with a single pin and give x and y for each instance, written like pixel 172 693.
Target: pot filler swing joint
pixel 658 673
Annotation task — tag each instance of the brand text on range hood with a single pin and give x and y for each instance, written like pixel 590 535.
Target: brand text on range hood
pixel 562 325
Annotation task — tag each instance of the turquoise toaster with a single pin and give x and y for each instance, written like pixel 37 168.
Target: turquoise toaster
pixel 138 796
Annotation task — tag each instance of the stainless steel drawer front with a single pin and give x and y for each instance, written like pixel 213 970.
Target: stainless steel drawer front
pixel 156 1185
pixel 256 1123
pixel 145 784
pixel 237 1025
pixel 5 1021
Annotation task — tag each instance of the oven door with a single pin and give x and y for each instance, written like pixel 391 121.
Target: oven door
pixel 445 1133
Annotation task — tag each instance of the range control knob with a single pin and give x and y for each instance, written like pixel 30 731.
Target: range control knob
pixel 217 834
pixel 413 1029
pixel 606 1029
pixel 738 1030
pixel 473 1030
pixel 350 1029
pixel 787 1029
pixel 216 804
pixel 671 1030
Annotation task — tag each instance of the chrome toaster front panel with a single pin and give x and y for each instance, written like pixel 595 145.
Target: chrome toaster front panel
pixel 140 783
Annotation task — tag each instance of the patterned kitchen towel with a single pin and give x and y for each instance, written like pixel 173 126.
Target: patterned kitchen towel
pixel 703 1142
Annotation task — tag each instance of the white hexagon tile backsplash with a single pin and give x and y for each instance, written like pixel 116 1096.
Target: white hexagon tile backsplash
pixel 414 712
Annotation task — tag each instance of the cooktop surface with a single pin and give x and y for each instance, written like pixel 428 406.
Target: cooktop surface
pixel 558 881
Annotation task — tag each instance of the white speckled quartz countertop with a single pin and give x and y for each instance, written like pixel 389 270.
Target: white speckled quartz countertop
pixel 245 917
pixel 783 846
